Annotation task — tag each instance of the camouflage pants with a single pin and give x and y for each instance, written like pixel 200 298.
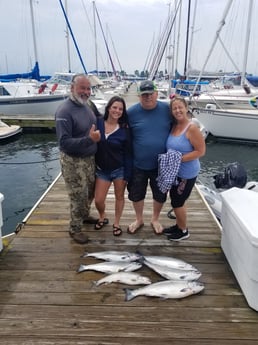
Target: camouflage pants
pixel 79 177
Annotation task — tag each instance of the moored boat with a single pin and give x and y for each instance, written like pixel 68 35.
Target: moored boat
pixel 8 131
pixel 26 98
pixel 234 175
pixel 231 124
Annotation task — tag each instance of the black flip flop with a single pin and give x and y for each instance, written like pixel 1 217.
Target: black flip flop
pixel 100 223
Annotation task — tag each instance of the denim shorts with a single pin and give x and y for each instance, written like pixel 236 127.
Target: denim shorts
pixel 137 186
pixel 117 174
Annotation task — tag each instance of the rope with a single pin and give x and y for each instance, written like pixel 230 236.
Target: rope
pixel 35 162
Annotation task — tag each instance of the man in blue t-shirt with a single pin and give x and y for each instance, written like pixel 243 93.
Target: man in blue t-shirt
pixel 150 123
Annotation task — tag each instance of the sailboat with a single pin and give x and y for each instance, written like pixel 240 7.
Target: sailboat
pixel 29 97
pixel 232 122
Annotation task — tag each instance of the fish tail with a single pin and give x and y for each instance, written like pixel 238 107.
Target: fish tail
pixel 141 258
pixel 80 269
pixel 128 294
pixel 84 255
pixel 139 253
pixel 95 283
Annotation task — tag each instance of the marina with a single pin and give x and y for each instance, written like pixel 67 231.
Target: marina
pixel 43 297
pixel 39 283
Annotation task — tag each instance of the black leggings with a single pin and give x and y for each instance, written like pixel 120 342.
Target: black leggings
pixel 180 193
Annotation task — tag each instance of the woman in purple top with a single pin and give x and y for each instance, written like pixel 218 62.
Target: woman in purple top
pixel 186 138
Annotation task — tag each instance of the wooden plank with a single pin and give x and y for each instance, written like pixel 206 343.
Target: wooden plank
pixel 43 300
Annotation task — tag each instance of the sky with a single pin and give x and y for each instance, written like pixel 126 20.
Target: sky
pixel 131 31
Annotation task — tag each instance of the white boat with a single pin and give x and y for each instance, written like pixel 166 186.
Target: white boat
pixel 26 98
pixel 8 131
pixel 234 175
pixel 233 124
pixel 235 98
pixel 214 198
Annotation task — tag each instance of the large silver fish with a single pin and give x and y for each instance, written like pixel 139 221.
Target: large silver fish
pixel 111 267
pixel 114 256
pixel 129 278
pixel 172 273
pixel 166 289
pixel 169 262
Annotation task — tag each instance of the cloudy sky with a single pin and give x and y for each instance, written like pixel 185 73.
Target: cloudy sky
pixel 131 29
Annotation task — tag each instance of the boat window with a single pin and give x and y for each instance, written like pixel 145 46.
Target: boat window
pixel 3 91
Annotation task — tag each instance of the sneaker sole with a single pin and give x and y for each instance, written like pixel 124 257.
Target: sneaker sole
pixel 179 239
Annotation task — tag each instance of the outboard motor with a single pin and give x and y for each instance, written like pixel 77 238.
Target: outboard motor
pixel 234 175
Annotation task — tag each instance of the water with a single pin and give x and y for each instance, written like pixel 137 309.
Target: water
pixel 30 164
pixel 219 154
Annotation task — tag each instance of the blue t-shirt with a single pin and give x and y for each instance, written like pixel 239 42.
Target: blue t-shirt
pixel 150 129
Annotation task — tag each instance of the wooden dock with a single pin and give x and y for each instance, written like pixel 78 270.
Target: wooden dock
pixel 44 301
pixel 30 121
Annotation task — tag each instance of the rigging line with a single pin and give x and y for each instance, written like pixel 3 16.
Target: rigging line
pixel 71 32
pixel 166 41
pixel 159 45
pixel 228 54
pixel 108 30
pixel 92 31
pixel 24 163
pixel 221 24
pixel 109 55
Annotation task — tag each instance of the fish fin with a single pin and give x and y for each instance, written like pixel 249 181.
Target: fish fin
pixel 128 294
pixel 185 289
pixel 163 297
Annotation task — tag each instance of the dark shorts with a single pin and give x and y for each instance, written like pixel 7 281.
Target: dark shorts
pixel 137 186
pixel 180 193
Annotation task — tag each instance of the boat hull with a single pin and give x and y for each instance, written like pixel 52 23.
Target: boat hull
pixel 34 105
pixel 229 124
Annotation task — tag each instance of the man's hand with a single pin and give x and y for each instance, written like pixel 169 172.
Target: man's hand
pixel 94 134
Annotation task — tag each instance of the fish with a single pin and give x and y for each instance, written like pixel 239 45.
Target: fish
pixel 171 273
pixel 111 267
pixel 129 278
pixel 166 289
pixel 114 256
pixel 168 262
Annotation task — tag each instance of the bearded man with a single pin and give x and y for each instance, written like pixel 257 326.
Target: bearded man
pixel 77 138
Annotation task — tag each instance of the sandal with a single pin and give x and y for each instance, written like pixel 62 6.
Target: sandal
pixel 100 223
pixel 117 231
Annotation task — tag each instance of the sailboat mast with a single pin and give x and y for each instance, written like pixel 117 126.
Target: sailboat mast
pixel 33 32
pixel 191 42
pixel 68 42
pixel 105 41
pixel 187 37
pixel 95 37
pixel 249 19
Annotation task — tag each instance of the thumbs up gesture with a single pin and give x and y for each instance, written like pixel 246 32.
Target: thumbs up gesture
pixel 94 134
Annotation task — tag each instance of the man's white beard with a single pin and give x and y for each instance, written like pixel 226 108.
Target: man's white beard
pixel 80 100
